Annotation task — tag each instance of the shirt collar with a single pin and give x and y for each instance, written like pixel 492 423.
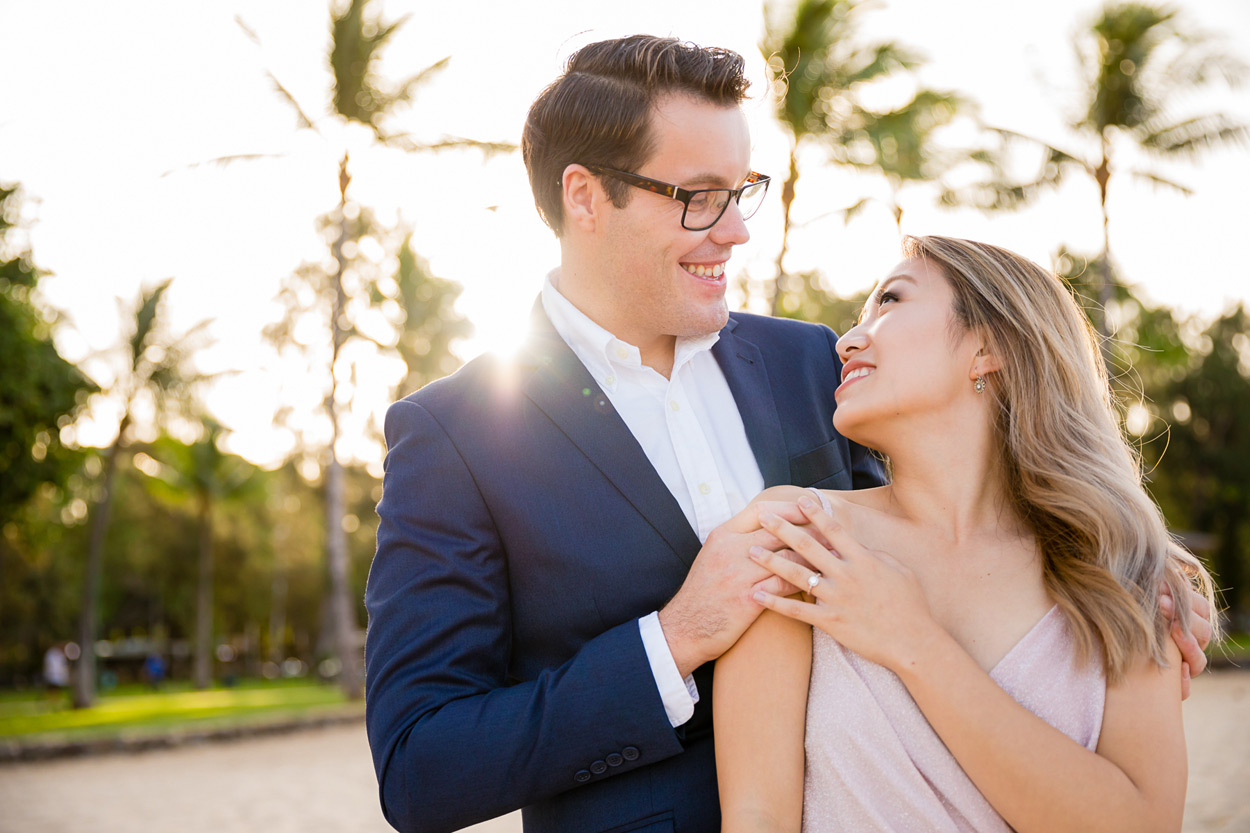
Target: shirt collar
pixel 597 348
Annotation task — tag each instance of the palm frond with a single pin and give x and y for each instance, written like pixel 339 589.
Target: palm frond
pixel 1053 154
pixel 247 30
pixel 413 82
pixel 997 193
pixel 1157 180
pixel 1194 135
pixel 852 211
pixel 1201 63
pixel 145 320
pixel 880 60
pixel 223 161
pixel 302 117
pixel 406 142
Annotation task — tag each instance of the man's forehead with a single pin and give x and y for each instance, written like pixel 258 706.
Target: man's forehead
pixel 697 140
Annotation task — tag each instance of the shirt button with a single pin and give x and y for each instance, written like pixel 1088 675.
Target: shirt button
pixel 630 753
pixel 582 776
pixel 705 489
pixel 614 760
pixel 622 353
pixel 673 404
pixel 610 381
pixel 598 767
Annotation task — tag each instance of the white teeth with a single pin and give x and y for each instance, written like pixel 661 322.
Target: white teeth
pixel 857 373
pixel 719 270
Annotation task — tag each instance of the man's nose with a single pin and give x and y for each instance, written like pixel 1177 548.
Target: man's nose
pixel 731 228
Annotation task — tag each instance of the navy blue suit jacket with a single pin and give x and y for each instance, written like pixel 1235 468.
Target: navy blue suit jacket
pixel 523 533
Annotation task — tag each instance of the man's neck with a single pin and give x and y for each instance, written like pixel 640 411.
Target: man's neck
pixel 656 350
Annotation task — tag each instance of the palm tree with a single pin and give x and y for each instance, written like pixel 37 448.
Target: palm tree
pixel 360 95
pixel 900 145
pixel 1137 61
pixel 152 368
pixel 202 473
pixel 818 69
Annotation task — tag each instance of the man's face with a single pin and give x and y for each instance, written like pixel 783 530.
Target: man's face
pixel 649 260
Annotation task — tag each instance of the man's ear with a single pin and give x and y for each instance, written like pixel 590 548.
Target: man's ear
pixel 583 198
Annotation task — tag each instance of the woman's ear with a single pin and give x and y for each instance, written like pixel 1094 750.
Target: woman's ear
pixel 582 198
pixel 984 363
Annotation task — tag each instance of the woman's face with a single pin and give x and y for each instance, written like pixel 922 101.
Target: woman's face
pixel 906 363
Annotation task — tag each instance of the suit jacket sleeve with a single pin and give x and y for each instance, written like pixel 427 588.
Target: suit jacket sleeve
pixel 455 740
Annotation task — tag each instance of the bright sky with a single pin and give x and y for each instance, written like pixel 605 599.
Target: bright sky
pixel 102 99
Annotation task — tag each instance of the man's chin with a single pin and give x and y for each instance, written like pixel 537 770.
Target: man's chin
pixel 708 321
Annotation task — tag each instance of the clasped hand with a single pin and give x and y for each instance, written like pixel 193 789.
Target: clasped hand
pixel 866 599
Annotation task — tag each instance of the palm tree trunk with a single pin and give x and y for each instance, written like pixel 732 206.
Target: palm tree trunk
pixel 277 617
pixel 787 199
pixel 1103 176
pixel 342 610
pixel 84 679
pixel 202 674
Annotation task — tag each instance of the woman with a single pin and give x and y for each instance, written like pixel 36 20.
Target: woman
pixel 1005 668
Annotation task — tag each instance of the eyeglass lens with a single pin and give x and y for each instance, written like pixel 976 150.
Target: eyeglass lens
pixel 706 207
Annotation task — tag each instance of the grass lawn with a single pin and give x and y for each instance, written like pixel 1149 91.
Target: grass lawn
pixel 1234 648
pixel 136 710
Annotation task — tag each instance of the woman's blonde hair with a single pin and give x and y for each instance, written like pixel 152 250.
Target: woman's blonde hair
pixel 1070 475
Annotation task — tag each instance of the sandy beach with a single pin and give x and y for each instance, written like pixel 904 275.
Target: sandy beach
pixel 322 780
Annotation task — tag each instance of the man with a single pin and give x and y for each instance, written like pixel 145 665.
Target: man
pixel 543 617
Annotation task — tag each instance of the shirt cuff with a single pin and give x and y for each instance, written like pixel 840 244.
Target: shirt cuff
pixel 679 695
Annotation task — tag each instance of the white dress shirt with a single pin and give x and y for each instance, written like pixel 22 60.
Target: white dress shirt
pixel 692 433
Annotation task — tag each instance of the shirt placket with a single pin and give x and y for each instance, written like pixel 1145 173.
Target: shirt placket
pixel 695 459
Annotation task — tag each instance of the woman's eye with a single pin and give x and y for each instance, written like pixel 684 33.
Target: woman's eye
pixel 886 296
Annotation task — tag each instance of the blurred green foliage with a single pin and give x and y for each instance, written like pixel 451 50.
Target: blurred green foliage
pixel 39 390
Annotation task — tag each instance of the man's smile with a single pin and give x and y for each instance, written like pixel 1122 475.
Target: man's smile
pixel 705 270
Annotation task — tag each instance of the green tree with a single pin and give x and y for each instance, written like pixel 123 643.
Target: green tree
pixel 39 390
pixel 359 95
pixel 1204 472
pixel 820 70
pixel 430 322
pixel 1181 389
pixel 1138 63
pixel 901 146
pixel 152 367
pixel 202 474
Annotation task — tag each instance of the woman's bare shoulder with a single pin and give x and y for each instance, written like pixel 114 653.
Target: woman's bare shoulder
pixel 782 493
pixel 857 500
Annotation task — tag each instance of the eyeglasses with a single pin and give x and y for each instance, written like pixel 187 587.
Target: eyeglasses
pixel 704 207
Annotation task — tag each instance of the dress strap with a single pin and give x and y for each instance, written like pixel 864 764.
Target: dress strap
pixel 824 501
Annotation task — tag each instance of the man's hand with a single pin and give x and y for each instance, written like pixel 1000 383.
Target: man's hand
pixel 714 605
pixel 1192 644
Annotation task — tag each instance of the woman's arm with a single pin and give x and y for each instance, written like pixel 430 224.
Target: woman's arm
pixel 759 704
pixel 1036 777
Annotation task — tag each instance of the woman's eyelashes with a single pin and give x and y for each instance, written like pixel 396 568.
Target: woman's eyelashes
pixel 883 297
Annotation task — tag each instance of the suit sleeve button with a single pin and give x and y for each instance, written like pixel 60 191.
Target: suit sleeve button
pixel 630 753
pixel 582 776
pixel 598 767
pixel 614 760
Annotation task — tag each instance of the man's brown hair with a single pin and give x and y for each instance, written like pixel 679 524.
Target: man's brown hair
pixel 598 112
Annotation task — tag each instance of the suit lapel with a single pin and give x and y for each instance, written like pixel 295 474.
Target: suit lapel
pixel 566 392
pixel 743 366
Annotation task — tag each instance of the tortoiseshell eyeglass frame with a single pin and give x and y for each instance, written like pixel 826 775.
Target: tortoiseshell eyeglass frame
pixel 665 189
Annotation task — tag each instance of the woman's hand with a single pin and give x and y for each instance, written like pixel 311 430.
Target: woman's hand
pixel 865 599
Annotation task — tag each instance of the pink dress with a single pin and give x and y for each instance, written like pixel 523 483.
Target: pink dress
pixel 875 764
